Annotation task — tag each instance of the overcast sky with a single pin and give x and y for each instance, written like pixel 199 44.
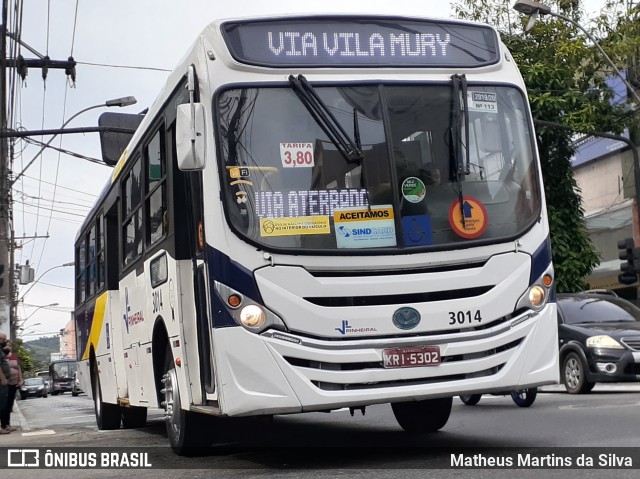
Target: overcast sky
pixel 150 37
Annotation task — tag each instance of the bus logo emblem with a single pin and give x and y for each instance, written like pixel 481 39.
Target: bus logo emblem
pixel 406 318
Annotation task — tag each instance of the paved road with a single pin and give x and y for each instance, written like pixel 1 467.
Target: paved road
pixel 372 445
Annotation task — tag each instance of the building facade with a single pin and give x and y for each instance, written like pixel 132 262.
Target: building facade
pixel 68 340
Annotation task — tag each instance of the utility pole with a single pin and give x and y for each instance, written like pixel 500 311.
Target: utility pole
pixel 633 75
pixel 8 287
pixel 6 275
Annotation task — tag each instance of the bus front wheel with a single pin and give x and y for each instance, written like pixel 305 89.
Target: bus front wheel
pixel 184 431
pixel 428 415
pixel 108 416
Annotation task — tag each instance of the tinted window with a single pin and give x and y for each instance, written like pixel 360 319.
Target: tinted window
pixel 288 185
pixel 578 310
pixel 132 225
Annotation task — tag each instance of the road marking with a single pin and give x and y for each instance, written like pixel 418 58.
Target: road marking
pixel 39 433
pixel 76 417
pixel 597 406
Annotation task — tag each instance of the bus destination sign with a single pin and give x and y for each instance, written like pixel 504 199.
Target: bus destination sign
pixel 372 42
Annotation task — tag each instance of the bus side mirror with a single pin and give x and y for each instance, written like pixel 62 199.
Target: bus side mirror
pixel 190 137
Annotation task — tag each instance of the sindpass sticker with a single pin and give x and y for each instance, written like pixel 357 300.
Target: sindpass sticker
pixel 365 227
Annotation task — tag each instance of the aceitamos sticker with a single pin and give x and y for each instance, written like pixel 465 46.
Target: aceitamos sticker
pixel 365 227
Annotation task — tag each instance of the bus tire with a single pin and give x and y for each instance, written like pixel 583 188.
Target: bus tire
pixel 184 429
pixel 524 397
pixel 428 415
pixel 470 399
pixel 108 416
pixel 134 417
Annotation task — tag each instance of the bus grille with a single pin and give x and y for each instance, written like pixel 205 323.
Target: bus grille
pixel 308 367
pixel 379 300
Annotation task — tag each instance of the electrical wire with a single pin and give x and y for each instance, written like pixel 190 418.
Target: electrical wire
pixel 63 187
pixel 58 160
pixel 75 24
pixel 67 152
pixel 63 220
pixel 132 67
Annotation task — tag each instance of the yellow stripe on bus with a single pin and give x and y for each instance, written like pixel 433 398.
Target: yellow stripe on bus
pixel 119 165
pixel 96 325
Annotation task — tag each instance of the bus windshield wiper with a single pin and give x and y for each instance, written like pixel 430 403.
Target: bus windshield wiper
pixel 460 165
pixel 350 149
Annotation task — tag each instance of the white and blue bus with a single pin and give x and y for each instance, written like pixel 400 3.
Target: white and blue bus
pixel 321 212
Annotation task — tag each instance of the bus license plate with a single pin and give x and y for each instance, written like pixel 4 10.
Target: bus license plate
pixel 411 357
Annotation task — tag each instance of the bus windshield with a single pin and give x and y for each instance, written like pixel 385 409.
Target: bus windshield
pixel 63 369
pixel 289 184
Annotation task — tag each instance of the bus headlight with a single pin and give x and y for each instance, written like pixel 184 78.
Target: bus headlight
pixel 538 293
pixel 536 296
pixel 248 313
pixel 252 316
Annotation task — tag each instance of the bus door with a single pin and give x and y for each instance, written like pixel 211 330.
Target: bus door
pixel 135 332
pixel 190 245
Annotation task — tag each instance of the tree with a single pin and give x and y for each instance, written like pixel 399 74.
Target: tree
pixel 565 78
pixel 26 363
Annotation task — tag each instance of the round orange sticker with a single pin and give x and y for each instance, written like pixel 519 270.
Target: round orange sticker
pixel 471 221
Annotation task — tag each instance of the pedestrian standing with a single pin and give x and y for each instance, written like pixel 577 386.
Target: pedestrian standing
pixel 5 373
pixel 15 381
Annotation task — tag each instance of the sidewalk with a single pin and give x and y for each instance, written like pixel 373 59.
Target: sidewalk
pixel 18 420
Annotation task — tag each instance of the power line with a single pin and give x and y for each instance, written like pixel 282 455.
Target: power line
pixel 40 207
pixel 63 220
pixel 67 210
pixel 66 152
pixel 63 187
pixel 132 67
pixel 88 206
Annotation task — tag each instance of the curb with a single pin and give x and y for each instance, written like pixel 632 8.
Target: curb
pixel 20 420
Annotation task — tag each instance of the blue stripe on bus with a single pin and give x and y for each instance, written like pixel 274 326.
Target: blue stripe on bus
pixel 226 271
pixel 540 261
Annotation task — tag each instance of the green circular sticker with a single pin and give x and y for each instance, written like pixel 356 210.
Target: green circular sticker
pixel 413 189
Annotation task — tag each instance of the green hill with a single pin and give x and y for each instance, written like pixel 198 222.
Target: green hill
pixel 40 350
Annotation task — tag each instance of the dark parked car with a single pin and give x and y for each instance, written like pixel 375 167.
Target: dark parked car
pixel 599 340
pixel 33 387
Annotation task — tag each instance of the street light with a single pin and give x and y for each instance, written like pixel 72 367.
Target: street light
pixel 40 277
pixel 13 316
pixel 30 326
pixel 21 323
pixel 33 332
pixel 119 102
pixel 533 8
